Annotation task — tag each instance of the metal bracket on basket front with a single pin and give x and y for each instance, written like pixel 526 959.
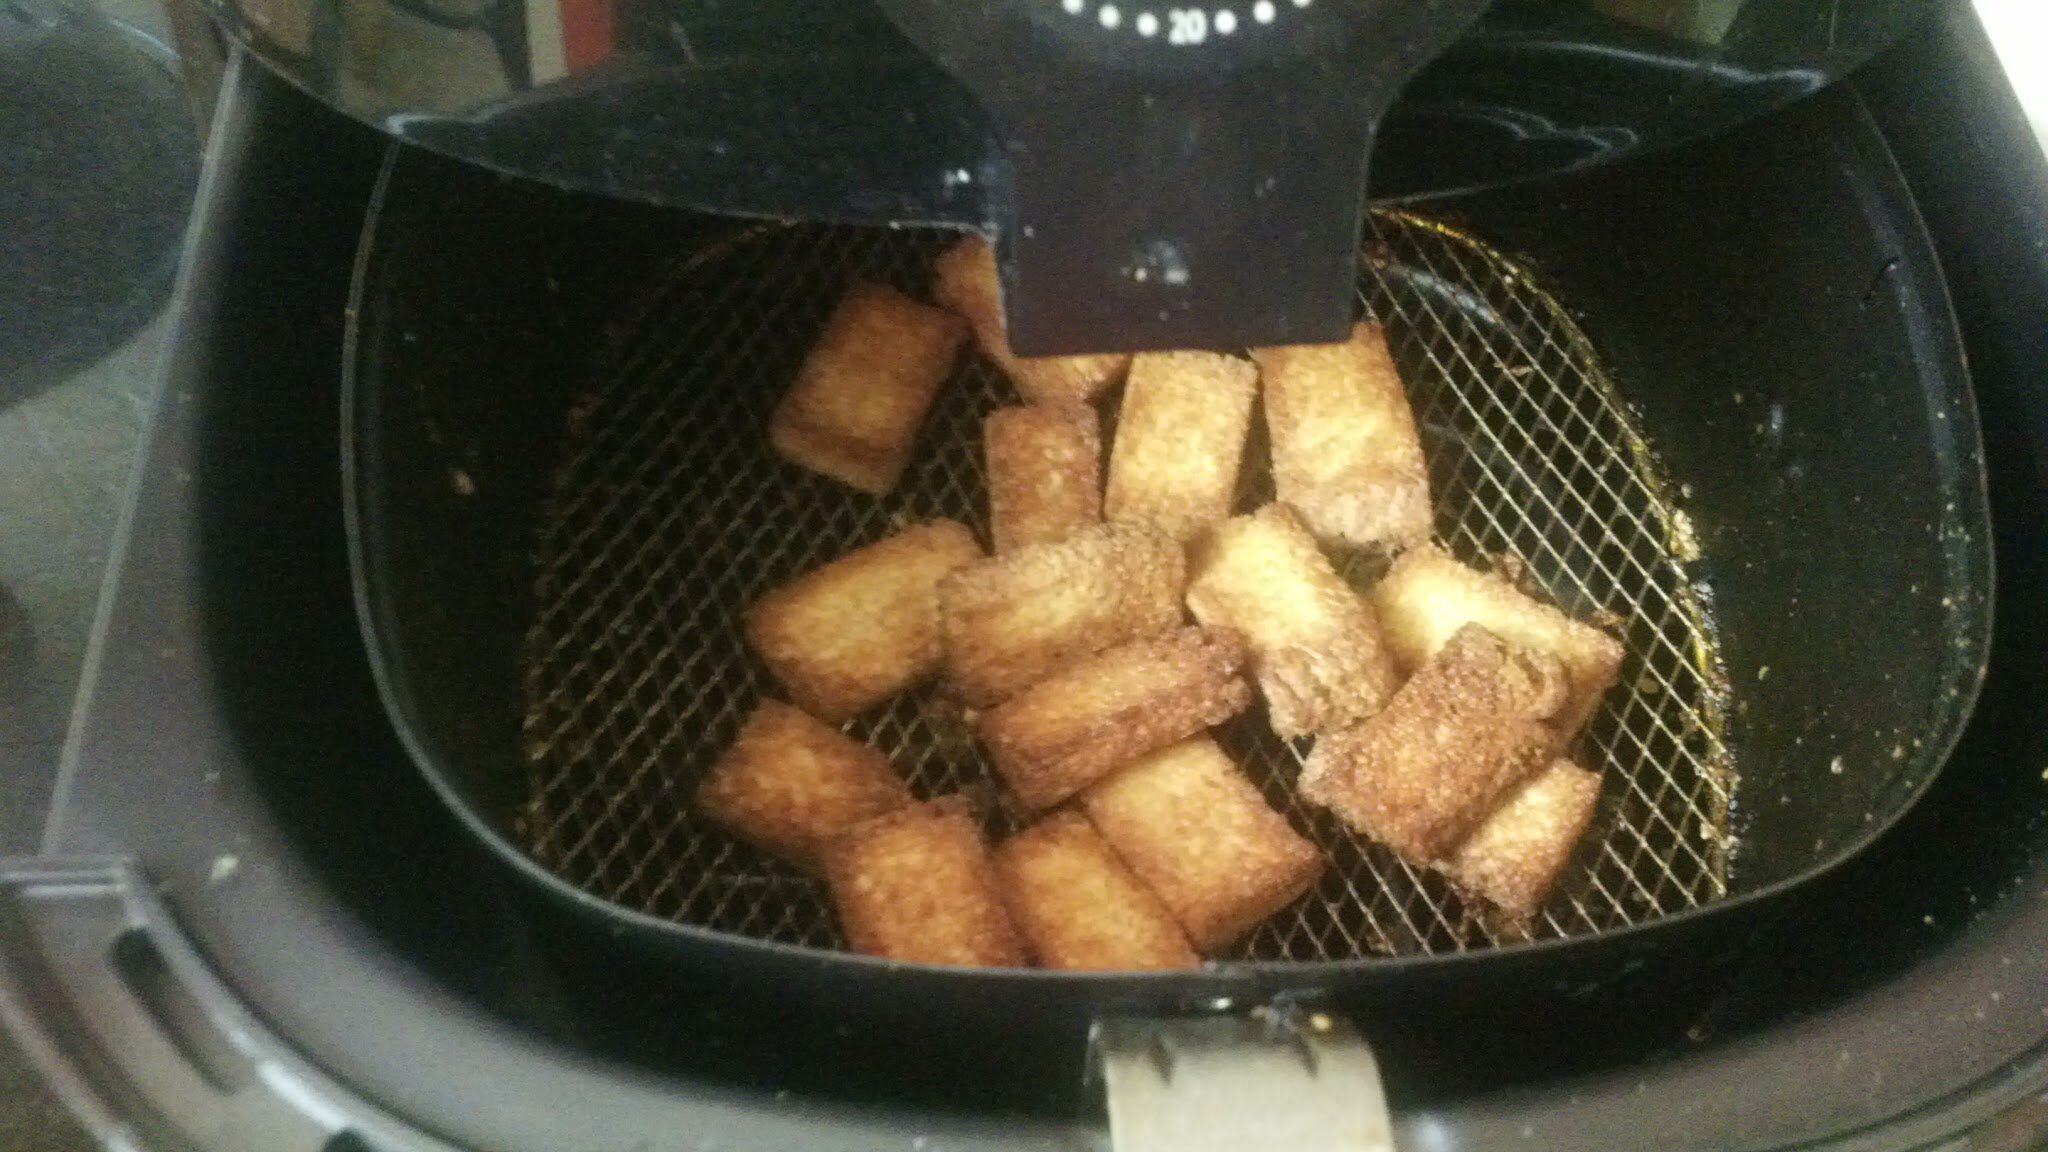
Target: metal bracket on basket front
pixel 1264 1083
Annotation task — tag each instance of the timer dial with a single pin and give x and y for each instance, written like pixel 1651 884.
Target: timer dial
pixel 1178 25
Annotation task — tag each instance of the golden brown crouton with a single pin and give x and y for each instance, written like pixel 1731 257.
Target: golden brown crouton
pixel 1079 907
pixel 1068 731
pixel 1515 857
pixel 1012 620
pixel 789 784
pixel 1465 729
pixel 865 387
pixel 917 885
pixel 1427 596
pixel 1314 639
pixel 1044 473
pixel 1191 826
pixel 1179 439
pixel 1345 451
pixel 964 279
pixel 864 626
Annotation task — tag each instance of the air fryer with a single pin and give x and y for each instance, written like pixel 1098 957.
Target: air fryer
pixel 315 918
pixel 552 588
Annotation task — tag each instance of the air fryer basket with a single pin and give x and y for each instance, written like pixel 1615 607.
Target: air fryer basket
pixel 550 566
pixel 669 513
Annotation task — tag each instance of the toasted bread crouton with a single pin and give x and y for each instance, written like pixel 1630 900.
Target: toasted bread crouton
pixel 1467 728
pixel 1194 829
pixel 863 391
pixel 1044 473
pixel 1345 451
pixel 1012 620
pixel 1427 596
pixel 1068 731
pixel 1179 440
pixel 917 885
pixel 863 627
pixel 1079 907
pixel 789 784
pixel 1314 639
pixel 1514 858
pixel 964 279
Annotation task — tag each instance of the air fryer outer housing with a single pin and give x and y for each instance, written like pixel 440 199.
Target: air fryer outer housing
pixel 255 927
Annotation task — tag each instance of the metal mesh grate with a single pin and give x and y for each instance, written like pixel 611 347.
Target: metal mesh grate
pixel 670 513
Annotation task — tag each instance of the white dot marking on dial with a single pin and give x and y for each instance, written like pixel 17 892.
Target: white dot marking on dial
pixel 1263 11
pixel 1302 3
pixel 1074 7
pixel 1225 22
pixel 1109 16
pixel 1148 24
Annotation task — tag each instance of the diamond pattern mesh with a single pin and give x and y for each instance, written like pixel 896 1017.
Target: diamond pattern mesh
pixel 670 513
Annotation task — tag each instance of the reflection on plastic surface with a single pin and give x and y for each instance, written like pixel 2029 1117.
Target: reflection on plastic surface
pixel 2019 33
pixel 1697 21
pixel 823 109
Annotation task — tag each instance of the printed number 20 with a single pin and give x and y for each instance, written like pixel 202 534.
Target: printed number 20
pixel 1187 26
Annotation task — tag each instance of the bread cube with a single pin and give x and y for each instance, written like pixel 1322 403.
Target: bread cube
pixel 1014 619
pixel 862 393
pixel 865 626
pixel 1191 826
pixel 1427 596
pixel 1070 730
pixel 789 784
pixel 1346 454
pixel 917 885
pixel 1464 731
pixel 1515 857
pixel 1314 639
pixel 1179 440
pixel 1044 473
pixel 1079 907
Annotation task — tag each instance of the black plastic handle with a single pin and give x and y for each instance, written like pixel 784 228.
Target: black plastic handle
pixel 1210 212
pixel 1162 183
pixel 143 1041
